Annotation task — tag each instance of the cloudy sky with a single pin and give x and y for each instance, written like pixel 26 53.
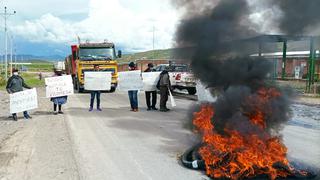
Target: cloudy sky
pixel 49 27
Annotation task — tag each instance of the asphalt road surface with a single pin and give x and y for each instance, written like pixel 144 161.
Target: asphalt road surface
pixel 118 144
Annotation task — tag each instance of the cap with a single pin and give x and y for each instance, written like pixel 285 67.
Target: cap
pixel 131 64
pixel 14 70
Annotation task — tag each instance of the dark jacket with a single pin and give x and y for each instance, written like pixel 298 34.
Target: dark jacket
pixel 16 84
pixel 149 70
pixel 164 79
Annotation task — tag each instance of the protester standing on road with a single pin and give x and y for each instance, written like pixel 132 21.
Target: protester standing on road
pixel 95 93
pixel 133 94
pixel 16 84
pixel 164 86
pixel 149 93
pixel 58 101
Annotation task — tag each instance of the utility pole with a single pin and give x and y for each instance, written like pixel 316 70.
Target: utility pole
pixel 15 56
pixel 153 43
pixel 5 15
pixel 11 50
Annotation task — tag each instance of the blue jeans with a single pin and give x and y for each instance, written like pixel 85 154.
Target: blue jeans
pixel 93 94
pixel 133 97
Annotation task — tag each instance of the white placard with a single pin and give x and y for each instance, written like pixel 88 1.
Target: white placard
pixel 59 86
pixel 23 101
pixel 130 80
pixel 97 81
pixel 150 80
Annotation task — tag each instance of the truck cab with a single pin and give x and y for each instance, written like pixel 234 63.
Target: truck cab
pixel 85 56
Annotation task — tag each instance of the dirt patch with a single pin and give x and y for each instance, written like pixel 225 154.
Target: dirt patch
pixel 5 158
pixel 37 149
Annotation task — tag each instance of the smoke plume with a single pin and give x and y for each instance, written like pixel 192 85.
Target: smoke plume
pixel 298 17
pixel 213 31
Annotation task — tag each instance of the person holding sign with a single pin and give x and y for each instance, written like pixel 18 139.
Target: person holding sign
pixel 16 84
pixel 133 94
pixel 58 101
pixel 149 93
pixel 164 86
pixel 95 94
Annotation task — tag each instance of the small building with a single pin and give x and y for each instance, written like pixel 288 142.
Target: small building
pixel 296 63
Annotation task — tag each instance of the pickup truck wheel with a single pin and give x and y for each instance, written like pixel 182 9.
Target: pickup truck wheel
pixel 79 89
pixel 192 91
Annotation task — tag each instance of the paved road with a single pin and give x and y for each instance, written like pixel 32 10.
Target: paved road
pixel 119 144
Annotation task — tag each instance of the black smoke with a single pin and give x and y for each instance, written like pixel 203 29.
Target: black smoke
pixel 298 16
pixel 221 59
pixel 211 36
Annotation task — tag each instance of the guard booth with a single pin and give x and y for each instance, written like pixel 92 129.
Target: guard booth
pixel 311 66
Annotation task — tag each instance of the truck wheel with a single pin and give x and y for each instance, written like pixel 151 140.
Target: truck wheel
pixel 78 88
pixel 75 83
pixel 81 90
pixel 192 91
pixel 113 89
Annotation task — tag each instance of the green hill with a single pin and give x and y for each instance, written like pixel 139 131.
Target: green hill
pixel 155 54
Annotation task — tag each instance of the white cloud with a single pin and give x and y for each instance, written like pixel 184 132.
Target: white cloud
pixel 126 22
pixel 36 8
pixel 46 29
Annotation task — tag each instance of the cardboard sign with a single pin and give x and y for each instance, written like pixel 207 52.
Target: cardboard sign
pixel 59 86
pixel 23 101
pixel 130 80
pixel 150 80
pixel 97 81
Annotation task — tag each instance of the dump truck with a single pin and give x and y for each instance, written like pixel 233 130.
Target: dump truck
pixel 84 56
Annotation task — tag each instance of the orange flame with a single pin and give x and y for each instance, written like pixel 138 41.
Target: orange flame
pixel 234 155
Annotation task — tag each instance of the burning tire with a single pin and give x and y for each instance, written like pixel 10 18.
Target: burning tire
pixel 237 156
pixel 192 160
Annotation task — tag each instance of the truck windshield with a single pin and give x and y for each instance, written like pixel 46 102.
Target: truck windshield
pixel 88 54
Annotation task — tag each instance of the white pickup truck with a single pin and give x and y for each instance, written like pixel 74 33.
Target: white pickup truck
pixel 180 77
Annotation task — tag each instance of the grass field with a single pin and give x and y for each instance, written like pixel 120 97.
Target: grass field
pixel 156 54
pixel 31 79
pixel 37 67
